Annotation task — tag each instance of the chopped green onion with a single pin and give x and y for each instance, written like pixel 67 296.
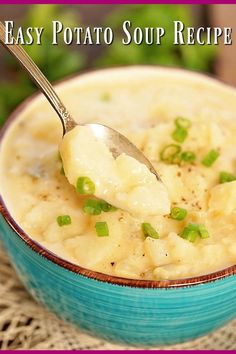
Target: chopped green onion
pixel 226 177
pixel 102 228
pixel 95 207
pixel 106 207
pixel 189 235
pixel 181 131
pixel 188 156
pixel 210 158
pixel 178 213
pixel 84 185
pixel 62 172
pixel 192 231
pixel 203 231
pixel 92 207
pixel 63 220
pixel 170 153
pixel 183 122
pixel 148 230
pixel 180 134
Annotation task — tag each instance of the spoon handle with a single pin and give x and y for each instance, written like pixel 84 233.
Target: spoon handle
pixel 40 80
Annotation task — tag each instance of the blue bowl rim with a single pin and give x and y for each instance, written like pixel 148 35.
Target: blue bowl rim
pixel 42 251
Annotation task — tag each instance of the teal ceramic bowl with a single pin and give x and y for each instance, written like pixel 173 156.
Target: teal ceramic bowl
pixel 134 312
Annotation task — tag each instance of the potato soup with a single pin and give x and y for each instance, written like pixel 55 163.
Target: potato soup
pixel 183 122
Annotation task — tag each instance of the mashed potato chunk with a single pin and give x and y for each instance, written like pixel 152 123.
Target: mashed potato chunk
pixel 223 198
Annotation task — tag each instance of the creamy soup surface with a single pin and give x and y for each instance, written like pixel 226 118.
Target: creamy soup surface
pixel 186 126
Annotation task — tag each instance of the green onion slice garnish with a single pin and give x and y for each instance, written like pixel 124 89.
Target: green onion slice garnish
pixel 226 177
pixel 189 235
pixel 181 131
pixel 92 207
pixel 203 231
pixel 148 230
pixel 84 185
pixel 188 156
pixel 183 122
pixel 178 213
pixel 192 231
pixel 210 158
pixel 96 206
pixel 102 229
pixel 180 134
pixel 170 153
pixel 63 220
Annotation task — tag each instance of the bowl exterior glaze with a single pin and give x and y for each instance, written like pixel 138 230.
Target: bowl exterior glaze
pixel 125 314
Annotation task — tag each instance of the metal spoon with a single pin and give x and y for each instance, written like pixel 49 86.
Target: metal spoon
pixel 116 142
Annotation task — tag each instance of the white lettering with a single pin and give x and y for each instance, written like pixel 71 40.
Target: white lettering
pixel 126 25
pixel 9 32
pixel 227 35
pixel 39 32
pixel 160 34
pixel 108 35
pixel 138 35
pixel 190 35
pixel 178 32
pixel 57 27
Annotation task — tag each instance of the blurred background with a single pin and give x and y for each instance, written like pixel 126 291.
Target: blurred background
pixel 59 61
